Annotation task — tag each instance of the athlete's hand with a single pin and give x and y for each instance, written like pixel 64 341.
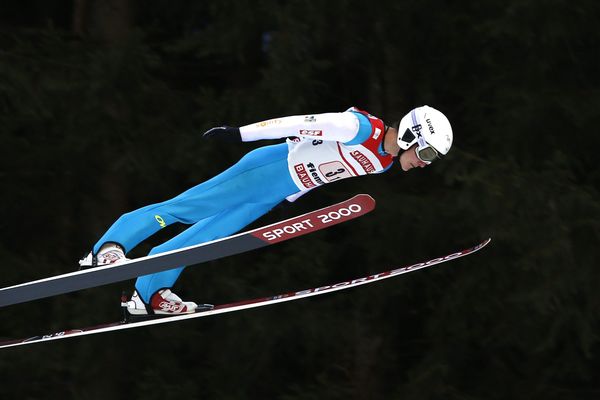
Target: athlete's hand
pixel 228 133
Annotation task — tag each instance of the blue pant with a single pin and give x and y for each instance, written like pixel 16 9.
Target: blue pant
pixel 216 208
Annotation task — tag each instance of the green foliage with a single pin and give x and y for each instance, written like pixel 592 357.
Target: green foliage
pixel 92 130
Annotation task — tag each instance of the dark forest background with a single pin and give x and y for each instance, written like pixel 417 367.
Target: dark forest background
pixel 102 107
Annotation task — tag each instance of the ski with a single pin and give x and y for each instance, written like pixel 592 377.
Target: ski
pixel 231 245
pixel 245 304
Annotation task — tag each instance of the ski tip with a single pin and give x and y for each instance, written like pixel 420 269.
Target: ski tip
pixel 482 244
pixel 366 200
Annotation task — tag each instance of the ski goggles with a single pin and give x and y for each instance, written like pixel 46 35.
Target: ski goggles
pixel 425 152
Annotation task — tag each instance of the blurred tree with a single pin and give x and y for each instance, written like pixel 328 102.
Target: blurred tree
pixel 101 109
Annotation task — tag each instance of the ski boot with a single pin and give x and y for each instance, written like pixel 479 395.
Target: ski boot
pixel 163 303
pixel 110 253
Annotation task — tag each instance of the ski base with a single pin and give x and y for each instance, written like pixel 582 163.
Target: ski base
pixel 246 304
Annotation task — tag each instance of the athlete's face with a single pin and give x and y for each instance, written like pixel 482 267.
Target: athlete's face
pixel 409 159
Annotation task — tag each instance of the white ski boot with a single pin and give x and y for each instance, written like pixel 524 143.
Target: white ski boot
pixel 110 253
pixel 162 303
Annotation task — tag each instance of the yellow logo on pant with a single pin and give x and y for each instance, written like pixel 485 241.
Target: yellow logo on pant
pixel 160 221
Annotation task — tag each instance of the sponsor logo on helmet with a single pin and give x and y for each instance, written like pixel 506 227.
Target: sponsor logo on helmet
pixel 417 129
pixel 430 126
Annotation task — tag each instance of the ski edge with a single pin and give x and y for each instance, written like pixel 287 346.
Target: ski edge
pixel 247 304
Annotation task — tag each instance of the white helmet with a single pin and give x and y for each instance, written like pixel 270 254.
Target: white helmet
pixel 428 127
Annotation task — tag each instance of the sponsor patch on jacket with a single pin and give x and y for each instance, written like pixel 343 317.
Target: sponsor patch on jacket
pixel 269 122
pixel 303 176
pixel 377 133
pixel 311 132
pixel 364 162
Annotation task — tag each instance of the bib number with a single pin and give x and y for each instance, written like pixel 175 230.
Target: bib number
pixel 334 171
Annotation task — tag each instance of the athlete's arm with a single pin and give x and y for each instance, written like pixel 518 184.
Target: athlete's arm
pixel 340 127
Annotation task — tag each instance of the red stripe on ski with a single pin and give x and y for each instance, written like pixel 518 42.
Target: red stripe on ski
pixel 314 221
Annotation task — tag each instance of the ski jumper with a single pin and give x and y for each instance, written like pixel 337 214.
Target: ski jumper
pixel 324 148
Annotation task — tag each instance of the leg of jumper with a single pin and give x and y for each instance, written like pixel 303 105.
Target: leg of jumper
pixel 223 224
pixel 249 179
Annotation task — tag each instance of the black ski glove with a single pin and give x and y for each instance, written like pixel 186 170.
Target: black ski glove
pixel 228 133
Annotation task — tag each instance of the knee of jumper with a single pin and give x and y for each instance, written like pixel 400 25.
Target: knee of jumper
pixel 160 219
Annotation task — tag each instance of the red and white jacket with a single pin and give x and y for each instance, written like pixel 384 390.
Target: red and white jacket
pixel 326 147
